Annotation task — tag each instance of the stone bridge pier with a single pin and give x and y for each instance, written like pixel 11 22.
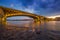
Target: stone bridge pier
pixel 1 14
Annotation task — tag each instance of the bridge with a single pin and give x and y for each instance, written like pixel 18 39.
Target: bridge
pixel 8 12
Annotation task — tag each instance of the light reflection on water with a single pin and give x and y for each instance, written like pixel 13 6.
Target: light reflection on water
pixel 19 22
pixel 51 25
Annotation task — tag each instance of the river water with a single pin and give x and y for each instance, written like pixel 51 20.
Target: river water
pixel 22 30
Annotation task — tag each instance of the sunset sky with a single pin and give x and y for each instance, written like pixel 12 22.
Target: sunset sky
pixel 40 7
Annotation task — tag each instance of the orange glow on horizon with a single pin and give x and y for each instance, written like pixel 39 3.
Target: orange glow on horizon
pixel 54 16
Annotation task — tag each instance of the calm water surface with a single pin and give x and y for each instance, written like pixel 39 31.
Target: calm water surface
pixel 52 25
pixel 48 31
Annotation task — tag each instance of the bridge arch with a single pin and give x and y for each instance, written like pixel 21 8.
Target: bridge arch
pixel 8 12
pixel 35 17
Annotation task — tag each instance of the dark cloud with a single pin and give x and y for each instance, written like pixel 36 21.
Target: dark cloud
pixel 42 7
pixel 26 2
pixel 49 6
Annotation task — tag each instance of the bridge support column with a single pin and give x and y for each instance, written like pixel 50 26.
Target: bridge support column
pixel 36 25
pixel 1 14
pixel 4 20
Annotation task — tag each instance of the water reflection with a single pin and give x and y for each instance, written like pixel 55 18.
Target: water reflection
pixel 48 30
pixel 53 25
pixel 31 25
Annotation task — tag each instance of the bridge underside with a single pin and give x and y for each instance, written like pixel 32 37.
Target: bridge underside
pixel 18 14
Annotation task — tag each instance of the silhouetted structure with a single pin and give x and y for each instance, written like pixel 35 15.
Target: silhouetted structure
pixel 57 19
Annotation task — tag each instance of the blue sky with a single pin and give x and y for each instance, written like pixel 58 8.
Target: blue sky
pixel 40 7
